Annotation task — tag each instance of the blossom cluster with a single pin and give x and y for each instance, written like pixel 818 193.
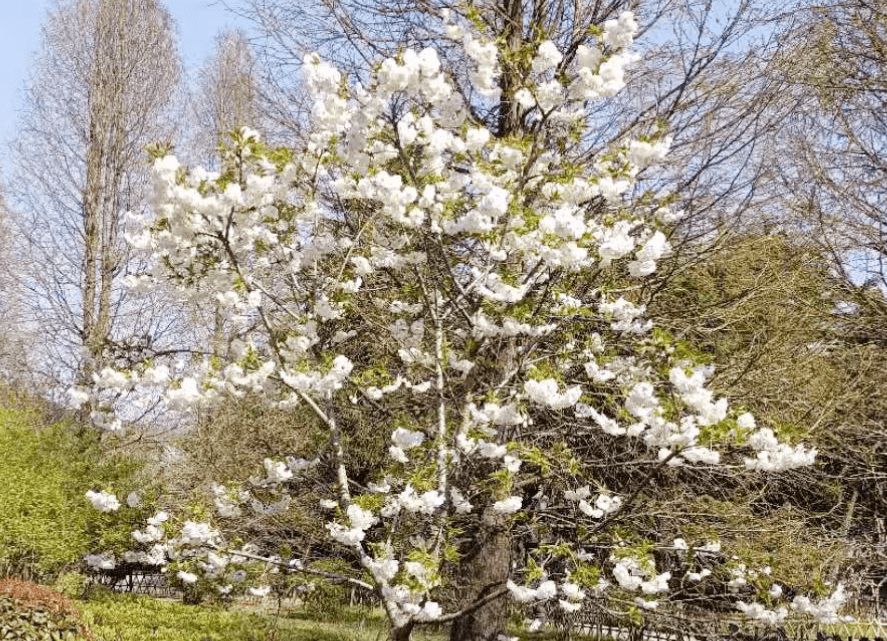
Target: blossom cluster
pixel 103 501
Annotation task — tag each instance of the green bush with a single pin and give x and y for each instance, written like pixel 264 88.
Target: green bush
pixel 46 523
pixel 31 612
pixel 321 600
pixel 72 584
pixel 23 621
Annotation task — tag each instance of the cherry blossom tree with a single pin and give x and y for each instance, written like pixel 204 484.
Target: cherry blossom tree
pixel 473 291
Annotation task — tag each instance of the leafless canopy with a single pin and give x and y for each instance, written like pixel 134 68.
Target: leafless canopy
pixel 99 92
pixel 228 93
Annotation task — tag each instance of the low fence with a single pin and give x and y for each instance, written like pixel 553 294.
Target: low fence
pixel 696 624
pixel 137 580
pixel 857 631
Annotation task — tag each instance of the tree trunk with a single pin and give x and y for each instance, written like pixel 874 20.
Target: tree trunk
pixel 509 122
pixel 402 633
pixel 92 225
pixel 484 570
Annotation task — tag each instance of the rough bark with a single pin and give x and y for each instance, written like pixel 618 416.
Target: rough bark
pixel 484 569
pixel 510 81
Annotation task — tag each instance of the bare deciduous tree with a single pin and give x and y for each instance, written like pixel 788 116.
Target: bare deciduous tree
pixel 228 92
pixel 100 91
pixel 832 151
pixel 14 366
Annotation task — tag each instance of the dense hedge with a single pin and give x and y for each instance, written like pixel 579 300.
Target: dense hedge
pixel 46 523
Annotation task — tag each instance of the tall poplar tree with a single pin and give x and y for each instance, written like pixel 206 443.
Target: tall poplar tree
pixel 101 89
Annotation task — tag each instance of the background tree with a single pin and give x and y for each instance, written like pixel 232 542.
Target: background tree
pixel 831 151
pixel 771 313
pixel 228 93
pixel 827 202
pixel 101 89
pixel 15 364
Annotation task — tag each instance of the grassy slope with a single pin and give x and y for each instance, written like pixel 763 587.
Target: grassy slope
pixel 46 523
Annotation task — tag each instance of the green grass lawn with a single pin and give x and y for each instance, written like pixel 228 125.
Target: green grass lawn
pixel 118 617
pixel 135 618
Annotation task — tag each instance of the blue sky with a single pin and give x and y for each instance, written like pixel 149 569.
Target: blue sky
pixel 198 22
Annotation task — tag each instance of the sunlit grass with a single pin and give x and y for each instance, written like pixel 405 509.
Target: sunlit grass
pixel 135 618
